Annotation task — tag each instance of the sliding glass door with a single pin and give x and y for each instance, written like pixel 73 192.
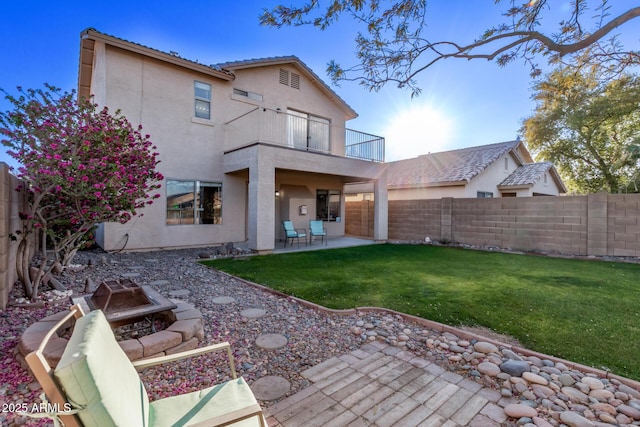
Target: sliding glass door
pixel 308 132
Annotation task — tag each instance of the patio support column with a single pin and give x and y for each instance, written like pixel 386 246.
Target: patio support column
pixel 380 208
pixel 262 204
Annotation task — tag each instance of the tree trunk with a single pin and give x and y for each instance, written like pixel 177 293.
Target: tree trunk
pixel 22 266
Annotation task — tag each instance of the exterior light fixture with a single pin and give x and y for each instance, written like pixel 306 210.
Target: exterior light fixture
pixel 277 193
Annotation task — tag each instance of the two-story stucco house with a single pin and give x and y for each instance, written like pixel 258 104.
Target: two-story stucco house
pixel 243 145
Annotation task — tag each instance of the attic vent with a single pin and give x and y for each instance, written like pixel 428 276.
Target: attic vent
pixel 284 77
pixel 295 81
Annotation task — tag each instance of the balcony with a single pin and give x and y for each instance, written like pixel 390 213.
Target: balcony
pixel 301 132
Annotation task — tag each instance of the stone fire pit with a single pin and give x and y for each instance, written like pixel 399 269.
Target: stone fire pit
pixel 185 332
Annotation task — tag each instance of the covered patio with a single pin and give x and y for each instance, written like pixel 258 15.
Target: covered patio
pixel 331 243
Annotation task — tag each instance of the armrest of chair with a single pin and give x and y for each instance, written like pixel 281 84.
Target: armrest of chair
pixel 301 231
pixel 44 373
pixel 145 363
pixel 233 417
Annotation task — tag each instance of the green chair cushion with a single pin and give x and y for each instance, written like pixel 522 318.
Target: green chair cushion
pixel 198 406
pixel 99 379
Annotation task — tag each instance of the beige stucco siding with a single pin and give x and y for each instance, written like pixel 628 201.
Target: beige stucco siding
pixel 422 193
pixel 489 178
pixel 546 185
pixel 161 98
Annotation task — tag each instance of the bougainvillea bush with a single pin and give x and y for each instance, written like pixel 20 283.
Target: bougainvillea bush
pixel 80 165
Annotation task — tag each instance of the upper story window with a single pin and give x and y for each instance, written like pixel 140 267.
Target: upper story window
pixel 202 100
pixel 484 194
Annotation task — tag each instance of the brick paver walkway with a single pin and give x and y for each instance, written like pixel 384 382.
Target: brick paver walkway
pixel 380 385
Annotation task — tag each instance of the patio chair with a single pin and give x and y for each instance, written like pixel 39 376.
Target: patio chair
pixel 293 233
pixel 101 386
pixel 316 229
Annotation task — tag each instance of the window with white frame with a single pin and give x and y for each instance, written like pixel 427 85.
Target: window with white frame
pixel 193 202
pixel 328 205
pixel 484 194
pixel 202 100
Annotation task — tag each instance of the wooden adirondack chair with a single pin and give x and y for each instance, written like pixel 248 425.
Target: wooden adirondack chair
pixel 96 379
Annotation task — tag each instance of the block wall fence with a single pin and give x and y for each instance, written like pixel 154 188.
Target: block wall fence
pixel 11 202
pixel 597 224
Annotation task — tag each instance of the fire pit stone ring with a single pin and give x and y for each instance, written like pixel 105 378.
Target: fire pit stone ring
pixel 185 333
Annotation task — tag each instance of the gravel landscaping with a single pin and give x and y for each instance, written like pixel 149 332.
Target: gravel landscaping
pixel 550 388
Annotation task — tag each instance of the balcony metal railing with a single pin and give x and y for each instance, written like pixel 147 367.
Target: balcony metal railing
pixel 303 133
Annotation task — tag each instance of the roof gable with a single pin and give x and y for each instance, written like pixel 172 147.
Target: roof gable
pixel 222 71
pixel 529 174
pixel 297 63
pixel 449 167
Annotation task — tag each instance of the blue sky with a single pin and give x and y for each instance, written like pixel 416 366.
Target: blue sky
pixel 463 103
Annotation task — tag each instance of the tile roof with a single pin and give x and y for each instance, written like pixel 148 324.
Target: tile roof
pixel 446 167
pixel 527 174
pixel 94 32
pixel 256 62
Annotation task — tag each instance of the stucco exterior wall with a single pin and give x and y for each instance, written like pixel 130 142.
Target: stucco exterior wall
pixel 546 186
pixel 493 175
pixel 427 193
pixel 160 97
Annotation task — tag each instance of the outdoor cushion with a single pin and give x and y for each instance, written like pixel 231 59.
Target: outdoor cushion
pixel 186 409
pixel 316 229
pixel 99 379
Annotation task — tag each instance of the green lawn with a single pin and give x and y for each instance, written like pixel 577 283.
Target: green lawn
pixel 584 311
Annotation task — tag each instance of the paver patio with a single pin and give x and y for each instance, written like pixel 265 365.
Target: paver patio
pixel 380 385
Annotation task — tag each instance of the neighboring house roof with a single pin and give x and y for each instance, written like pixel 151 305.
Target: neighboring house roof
pixel 456 167
pixel 528 174
pixel 222 71
pixel 459 167
pixel 292 60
